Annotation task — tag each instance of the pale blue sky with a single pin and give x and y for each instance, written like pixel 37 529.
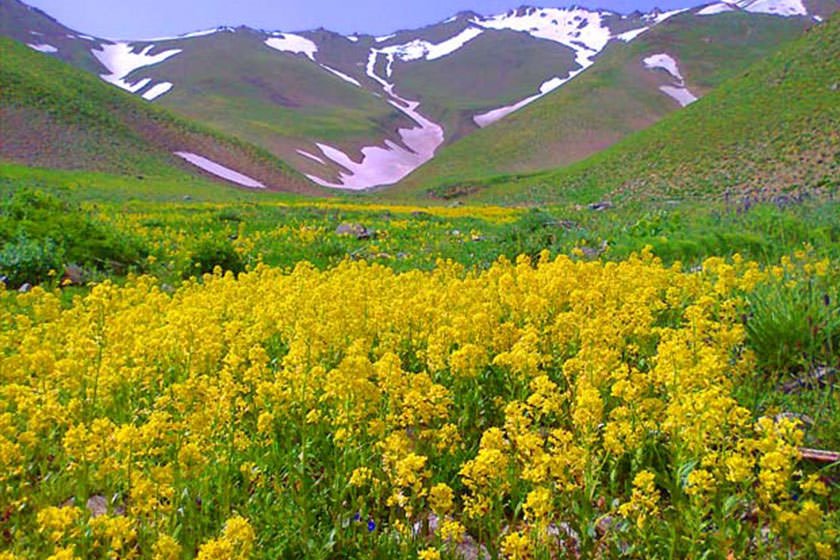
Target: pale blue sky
pixel 150 18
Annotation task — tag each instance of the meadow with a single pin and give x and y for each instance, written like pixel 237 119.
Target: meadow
pixel 193 371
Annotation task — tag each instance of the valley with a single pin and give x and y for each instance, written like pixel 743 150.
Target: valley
pixel 552 282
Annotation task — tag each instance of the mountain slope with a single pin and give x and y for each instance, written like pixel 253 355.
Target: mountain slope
pixel 280 100
pixel 773 129
pixel 618 95
pixel 358 111
pixel 41 32
pixel 53 115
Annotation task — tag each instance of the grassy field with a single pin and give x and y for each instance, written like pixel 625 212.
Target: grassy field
pixel 446 382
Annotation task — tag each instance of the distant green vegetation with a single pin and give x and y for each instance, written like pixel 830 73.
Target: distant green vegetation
pixel 191 227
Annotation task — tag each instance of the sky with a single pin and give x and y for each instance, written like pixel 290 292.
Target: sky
pixel 153 18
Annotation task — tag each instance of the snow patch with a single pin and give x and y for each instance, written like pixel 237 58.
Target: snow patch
pixel 352 38
pixel 121 60
pixel 134 88
pixel 713 9
pixel 157 90
pixel 775 7
pixel 287 42
pixel 313 157
pixel 582 30
pixel 783 8
pixel 218 170
pixel 419 49
pixel 677 91
pixel 342 75
pixel 385 165
pixel 665 62
pixel 384 38
pixel 44 48
pixel 679 94
pixel 488 118
pixel 577 28
pixel 628 36
pixel 657 17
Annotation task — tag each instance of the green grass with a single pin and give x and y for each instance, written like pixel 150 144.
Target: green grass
pixel 609 101
pixel 176 217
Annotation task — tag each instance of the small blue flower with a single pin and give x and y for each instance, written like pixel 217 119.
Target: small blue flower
pixel 371 526
pixel 357 517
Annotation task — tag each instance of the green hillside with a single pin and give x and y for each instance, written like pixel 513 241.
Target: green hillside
pixel 615 97
pixel 282 102
pixel 53 115
pixel 773 129
pixel 454 88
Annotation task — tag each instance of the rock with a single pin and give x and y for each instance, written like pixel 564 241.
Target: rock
pixel 835 86
pixel 469 549
pixel 356 230
pixel 73 274
pixel 806 420
pixel 601 206
pixel 97 505
pixel 594 253
pixel 25 288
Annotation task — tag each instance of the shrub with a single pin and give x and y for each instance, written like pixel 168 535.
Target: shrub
pixel 212 252
pixel 44 232
pixel 794 327
pixel 26 260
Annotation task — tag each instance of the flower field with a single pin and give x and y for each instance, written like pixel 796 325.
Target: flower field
pixel 545 408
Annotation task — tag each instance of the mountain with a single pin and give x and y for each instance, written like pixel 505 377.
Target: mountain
pixel 630 87
pixel 474 94
pixel 772 132
pixel 54 115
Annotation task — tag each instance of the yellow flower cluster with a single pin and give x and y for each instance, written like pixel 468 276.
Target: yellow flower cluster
pixel 495 409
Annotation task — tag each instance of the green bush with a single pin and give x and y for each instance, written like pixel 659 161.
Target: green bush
pixel 794 327
pixel 212 252
pixel 33 222
pixel 25 260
